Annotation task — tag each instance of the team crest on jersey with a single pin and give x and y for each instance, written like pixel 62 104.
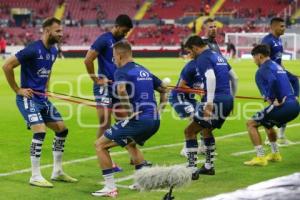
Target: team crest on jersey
pixel 43 73
pixel 144 75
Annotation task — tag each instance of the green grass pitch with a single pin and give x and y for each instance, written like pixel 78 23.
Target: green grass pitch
pixel 81 120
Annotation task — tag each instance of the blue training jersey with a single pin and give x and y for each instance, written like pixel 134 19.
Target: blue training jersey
pixel 209 59
pixel 273 82
pixel 192 78
pixel 140 85
pixel 104 46
pixel 276 47
pixel 36 64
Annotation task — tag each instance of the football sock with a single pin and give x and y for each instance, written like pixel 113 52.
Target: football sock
pixel 191 150
pixel 35 153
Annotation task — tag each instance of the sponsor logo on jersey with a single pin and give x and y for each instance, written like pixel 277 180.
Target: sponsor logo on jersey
pixel 144 75
pixel 43 73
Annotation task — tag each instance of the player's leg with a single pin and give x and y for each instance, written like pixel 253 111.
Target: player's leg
pixel 104 118
pixel 209 143
pixel 102 146
pixel 30 112
pixel 282 140
pixel 254 135
pixel 190 133
pixel 275 155
pixel 39 133
pixel 54 121
pixel 58 147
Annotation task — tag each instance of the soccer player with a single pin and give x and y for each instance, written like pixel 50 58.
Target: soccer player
pixel 135 89
pixel 220 86
pixel 274 41
pixel 102 49
pixel 183 102
pixel 36 62
pixel 211 34
pixel 283 107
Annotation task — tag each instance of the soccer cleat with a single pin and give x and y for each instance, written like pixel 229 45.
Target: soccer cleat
pixel 64 178
pixel 195 174
pixel 257 161
pixel 274 157
pixel 40 183
pixel 106 192
pixel 283 141
pixel 116 168
pixel 205 171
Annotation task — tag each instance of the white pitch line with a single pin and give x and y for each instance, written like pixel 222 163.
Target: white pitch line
pixel 252 151
pixel 124 152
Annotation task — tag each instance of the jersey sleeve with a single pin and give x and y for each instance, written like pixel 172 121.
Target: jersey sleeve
pixel 271 83
pixel 188 73
pixel 260 85
pixel 156 81
pixel 25 54
pixel 266 41
pixel 203 65
pixel 294 82
pixel 99 44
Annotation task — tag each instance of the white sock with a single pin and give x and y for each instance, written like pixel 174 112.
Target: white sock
pixel 260 151
pixel 36 148
pixel 274 147
pixel 281 132
pixel 109 181
pixel 35 168
pixel 57 151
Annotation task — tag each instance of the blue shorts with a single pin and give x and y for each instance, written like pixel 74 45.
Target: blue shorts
pixel 127 131
pixel 104 95
pixel 223 105
pixel 35 112
pixel 277 115
pixel 184 107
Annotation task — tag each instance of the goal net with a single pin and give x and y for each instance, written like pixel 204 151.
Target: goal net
pixel 244 42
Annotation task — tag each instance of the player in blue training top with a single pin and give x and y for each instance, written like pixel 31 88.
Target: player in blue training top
pixel 274 41
pixel 36 62
pixel 102 49
pixel 284 107
pixel 220 86
pixel 135 87
pixel 183 102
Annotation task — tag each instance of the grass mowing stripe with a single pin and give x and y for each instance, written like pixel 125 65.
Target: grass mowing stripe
pixel 125 152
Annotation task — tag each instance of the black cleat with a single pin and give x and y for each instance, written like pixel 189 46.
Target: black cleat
pixel 205 171
pixel 195 175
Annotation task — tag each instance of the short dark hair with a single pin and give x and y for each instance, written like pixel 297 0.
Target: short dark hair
pixel 194 40
pixel 276 19
pixel 261 49
pixel 49 21
pixel 208 20
pixel 124 20
pixel 122 45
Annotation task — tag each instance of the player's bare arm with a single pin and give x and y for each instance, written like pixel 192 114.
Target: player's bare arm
pixel 8 68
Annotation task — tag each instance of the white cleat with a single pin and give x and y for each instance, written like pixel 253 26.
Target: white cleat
pixel 106 192
pixel 40 182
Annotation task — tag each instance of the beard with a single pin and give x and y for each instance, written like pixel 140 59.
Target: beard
pixel 52 40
